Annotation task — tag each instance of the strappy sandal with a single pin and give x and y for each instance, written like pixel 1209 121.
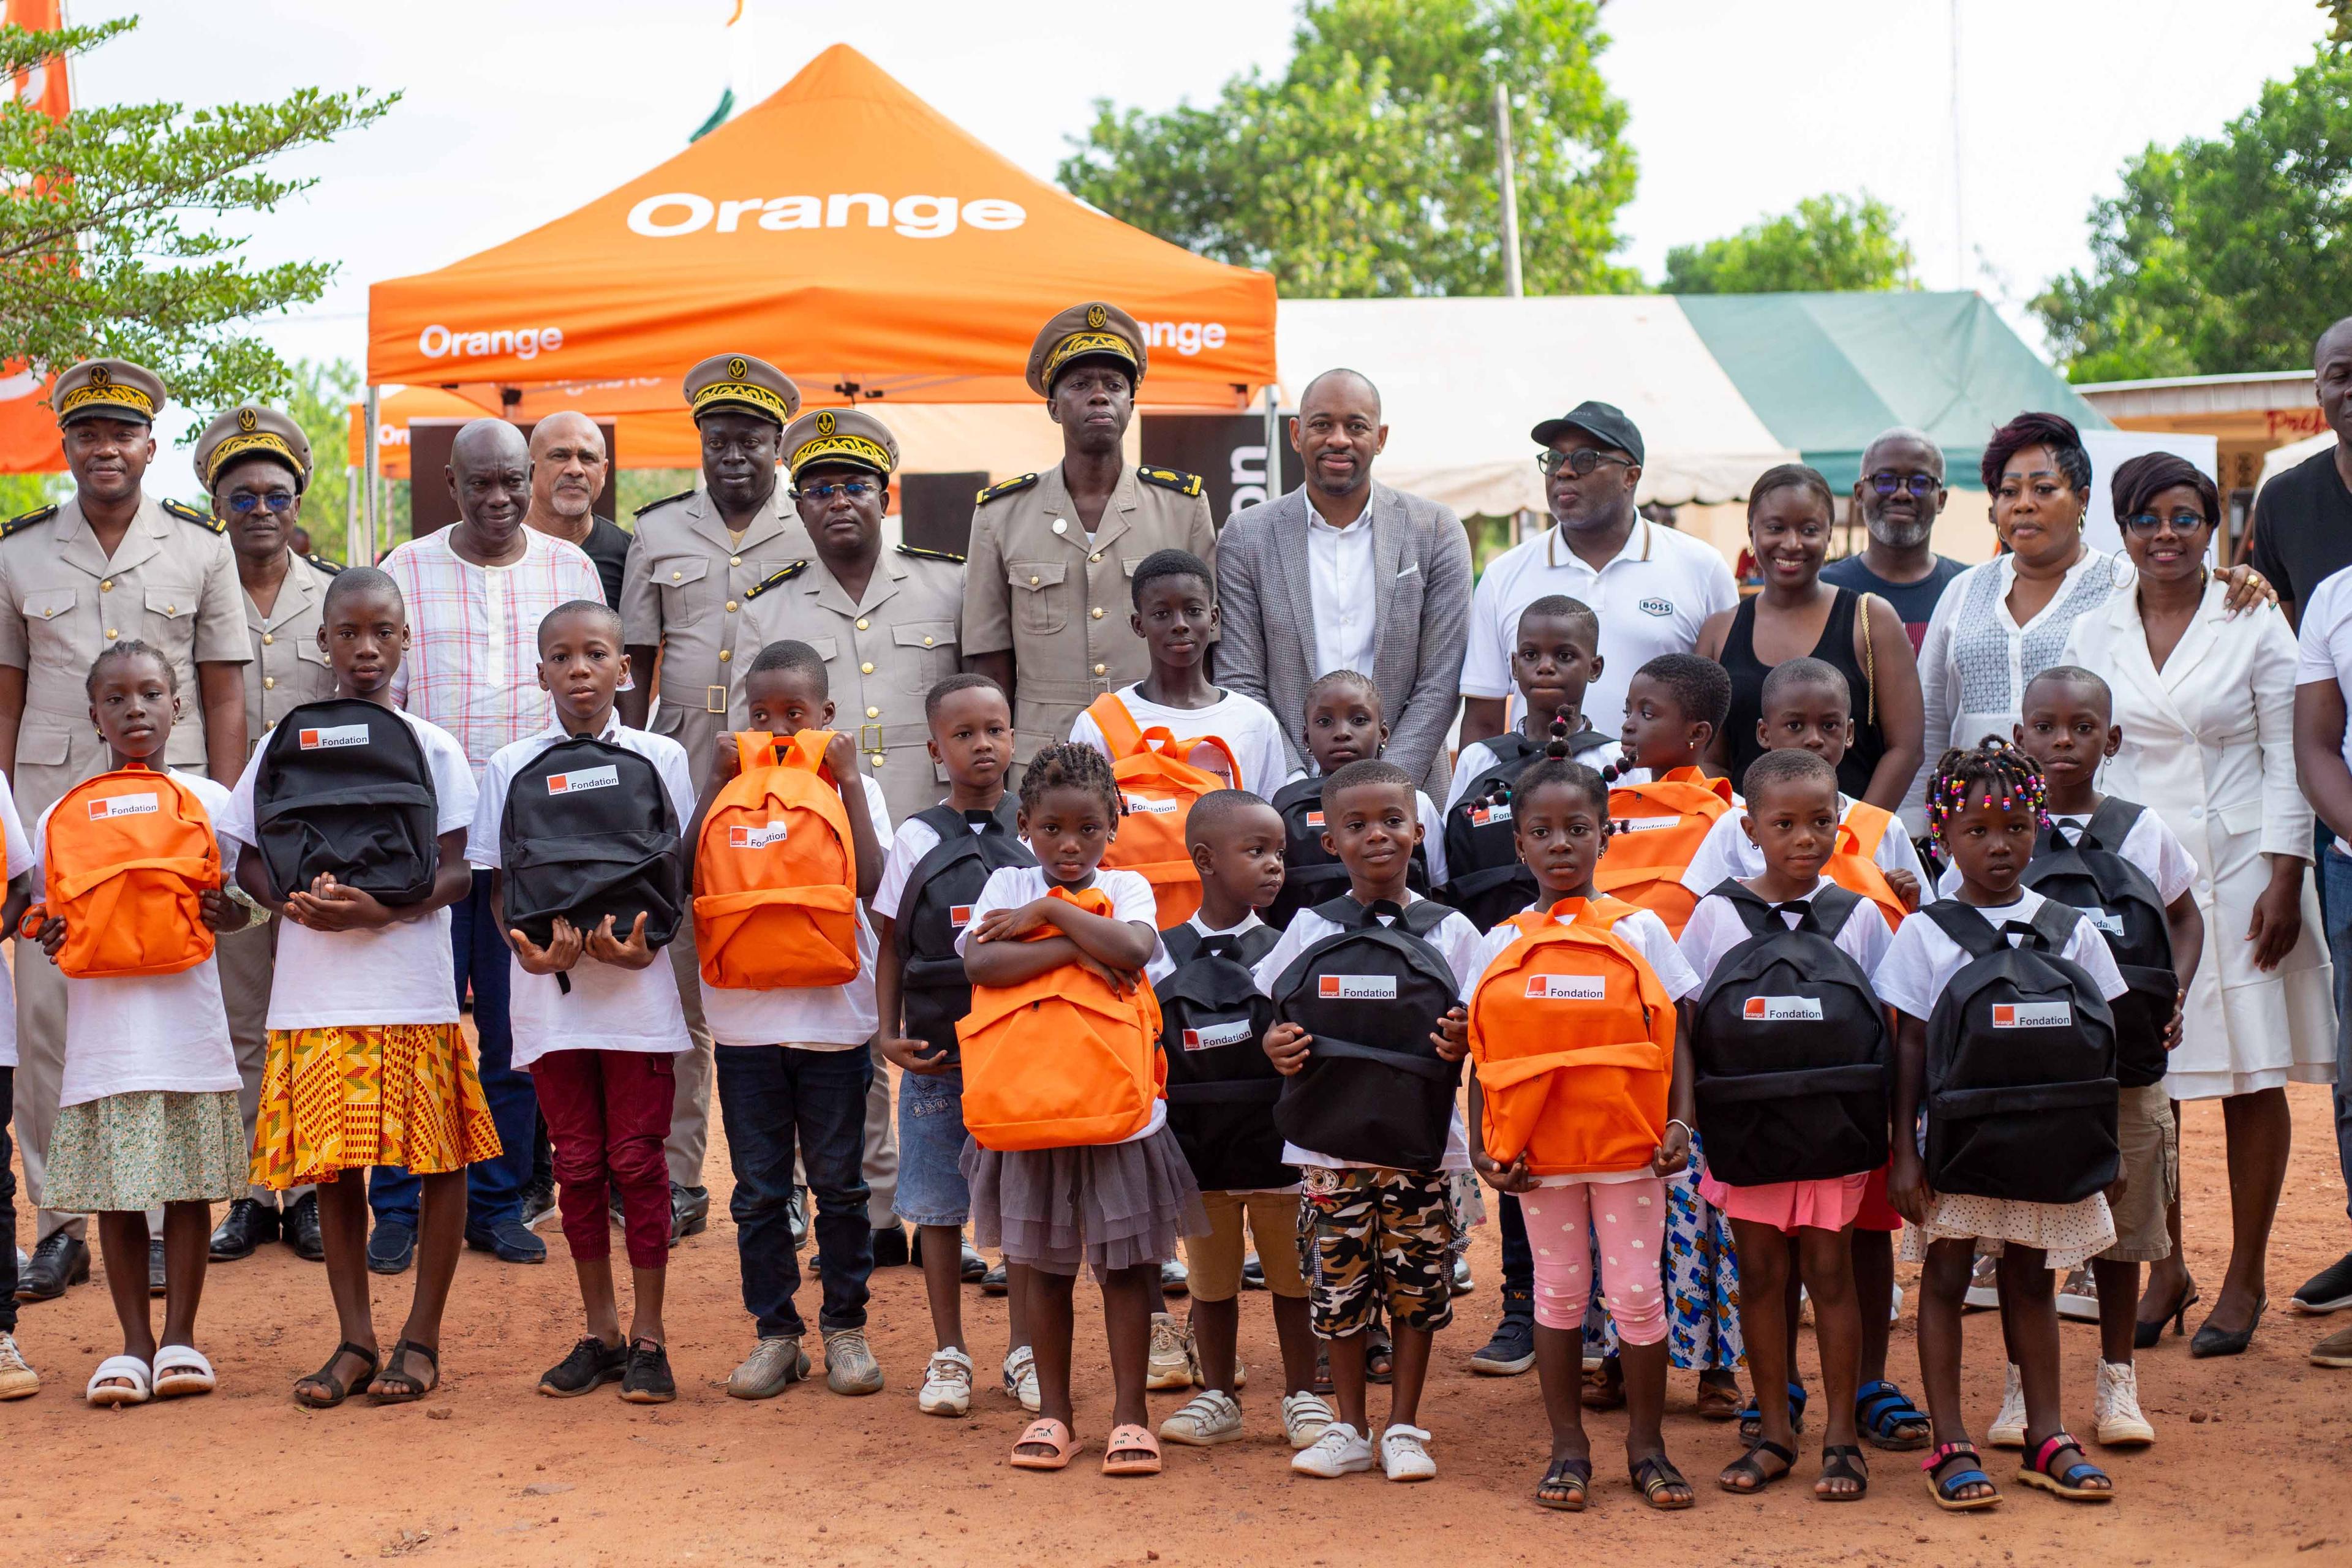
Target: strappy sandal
pixel 1655 1474
pixel 1889 1419
pixel 409 1391
pixel 1945 1489
pixel 2069 1486
pixel 1131 1440
pixel 1841 1462
pixel 1751 1419
pixel 1746 1475
pixel 1571 1480
pixel 1048 1433
pixel 1379 1358
pixel 338 1390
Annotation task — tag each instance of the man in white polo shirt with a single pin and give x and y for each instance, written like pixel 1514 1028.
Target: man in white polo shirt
pixel 1652 587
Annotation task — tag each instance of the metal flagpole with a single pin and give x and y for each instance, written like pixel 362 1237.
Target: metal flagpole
pixel 1513 284
pixel 1272 447
pixel 363 554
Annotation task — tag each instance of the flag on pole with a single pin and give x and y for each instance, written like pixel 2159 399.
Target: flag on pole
pixel 28 433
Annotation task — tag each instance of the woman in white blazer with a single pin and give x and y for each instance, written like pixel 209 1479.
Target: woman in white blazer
pixel 2206 704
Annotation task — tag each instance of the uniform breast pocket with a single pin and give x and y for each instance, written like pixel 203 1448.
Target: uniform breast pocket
pixel 171 617
pixel 680 578
pixel 927 653
pixel 1038 600
pixel 50 625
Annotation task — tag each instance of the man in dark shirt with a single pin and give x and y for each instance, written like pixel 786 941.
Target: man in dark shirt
pixel 567 474
pixel 2303 519
pixel 1900 494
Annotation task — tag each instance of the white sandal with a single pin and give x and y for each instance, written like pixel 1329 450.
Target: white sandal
pixel 182 1370
pixel 105 1389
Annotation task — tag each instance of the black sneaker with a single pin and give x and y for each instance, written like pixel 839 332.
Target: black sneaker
pixel 538 1203
pixel 242 1231
pixel 61 1259
pixel 2328 1291
pixel 647 1380
pixel 1512 1351
pixel 591 1364
pixel 392 1246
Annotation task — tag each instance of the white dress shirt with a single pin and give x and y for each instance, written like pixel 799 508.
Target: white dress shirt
pixel 1339 564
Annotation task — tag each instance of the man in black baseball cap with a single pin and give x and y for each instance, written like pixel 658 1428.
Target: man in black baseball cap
pixel 1605 422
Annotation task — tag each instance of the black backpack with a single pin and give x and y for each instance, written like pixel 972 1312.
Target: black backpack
pixel 1486 879
pixel 933 992
pixel 1221 1087
pixel 343 787
pixel 1791 1047
pixel 1311 874
pixel 2120 900
pixel 1374 1087
pixel 2020 1084
pixel 589 831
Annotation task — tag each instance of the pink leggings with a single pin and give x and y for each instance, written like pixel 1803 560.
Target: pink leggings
pixel 1629 1219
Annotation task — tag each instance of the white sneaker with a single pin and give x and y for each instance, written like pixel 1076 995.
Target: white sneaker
pixel 17 1378
pixel 1021 1378
pixel 947 1384
pixel 1207 1419
pixel 1170 1367
pixel 2008 1428
pixel 1341 1450
pixel 1984 1284
pixel 1304 1418
pixel 1404 1455
pixel 2116 1404
pixel 2078 1297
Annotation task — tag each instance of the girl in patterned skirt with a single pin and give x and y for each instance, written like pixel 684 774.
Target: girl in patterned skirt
pixel 366 1063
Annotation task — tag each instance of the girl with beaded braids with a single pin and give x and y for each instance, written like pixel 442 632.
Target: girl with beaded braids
pixel 1985 806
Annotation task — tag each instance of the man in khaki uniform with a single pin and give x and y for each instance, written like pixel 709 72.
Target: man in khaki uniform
pixel 254 462
pixel 1046 591
pixel 106 566
pixel 698 555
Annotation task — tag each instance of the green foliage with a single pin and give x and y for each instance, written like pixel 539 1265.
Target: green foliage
pixel 2339 20
pixel 22 493
pixel 1368 167
pixel 2223 254
pixel 103 251
pixel 633 488
pixel 1828 242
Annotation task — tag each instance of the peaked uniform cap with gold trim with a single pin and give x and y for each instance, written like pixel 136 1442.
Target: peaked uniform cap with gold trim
pixel 840 435
pixel 249 430
pixel 1091 331
pixel 109 388
pixel 742 382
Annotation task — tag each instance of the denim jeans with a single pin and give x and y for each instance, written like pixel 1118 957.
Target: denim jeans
pixel 493 1187
pixel 775 1101
pixel 2335 901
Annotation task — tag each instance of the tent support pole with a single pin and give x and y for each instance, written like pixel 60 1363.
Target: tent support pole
pixel 364 552
pixel 1272 447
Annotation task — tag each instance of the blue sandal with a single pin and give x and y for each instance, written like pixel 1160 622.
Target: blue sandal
pixel 1945 1489
pixel 1751 1419
pixel 1883 1412
pixel 2069 1485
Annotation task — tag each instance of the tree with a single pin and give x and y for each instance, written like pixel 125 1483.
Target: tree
pixel 2224 253
pixel 101 251
pixel 1368 167
pixel 1828 242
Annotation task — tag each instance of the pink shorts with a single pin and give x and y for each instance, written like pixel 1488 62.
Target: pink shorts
pixel 1830 1203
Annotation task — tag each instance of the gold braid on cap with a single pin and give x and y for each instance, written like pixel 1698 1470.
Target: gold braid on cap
pixel 742 392
pixel 112 393
pixel 1078 344
pixel 855 448
pixel 250 441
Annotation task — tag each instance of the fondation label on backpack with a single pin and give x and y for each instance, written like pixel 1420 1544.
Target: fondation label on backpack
pixel 775 871
pixel 1311 874
pixel 1158 785
pixel 1222 1088
pixel 1791 1047
pixel 2122 901
pixel 589 831
pixel 2022 1093
pixel 1658 826
pixel 1374 1087
pixel 1486 879
pixel 941 889
pixel 344 788
pixel 124 862
pixel 1572 1035
pixel 1061 1060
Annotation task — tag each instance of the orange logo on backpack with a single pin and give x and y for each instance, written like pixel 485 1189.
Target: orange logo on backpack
pixel 1158 784
pixel 775 874
pixel 126 857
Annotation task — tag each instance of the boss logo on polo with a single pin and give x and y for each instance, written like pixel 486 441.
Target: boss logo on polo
pixel 1781 1010
pixel 335 738
pixel 1567 988
pixel 749 837
pixel 1494 812
pixel 123 806
pixel 2032 1014
pixel 1356 987
pixel 1657 606
pixel 605 777
pixel 1209 1036
pixel 1156 807
pixel 959 916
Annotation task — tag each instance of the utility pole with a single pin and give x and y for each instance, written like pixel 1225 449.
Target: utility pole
pixel 1513 284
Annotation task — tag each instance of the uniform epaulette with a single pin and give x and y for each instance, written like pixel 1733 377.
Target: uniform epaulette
pixel 329 567
pixel 26 519
pixel 203 520
pixel 773 578
pixel 920 553
pixel 1010 487
pixel 1169 479
pixel 664 502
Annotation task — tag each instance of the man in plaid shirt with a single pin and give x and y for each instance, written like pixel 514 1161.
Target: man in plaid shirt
pixel 476 592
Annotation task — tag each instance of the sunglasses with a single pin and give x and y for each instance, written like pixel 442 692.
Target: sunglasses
pixel 1886 483
pixel 1580 462
pixel 2147 522
pixel 856 489
pixel 244 501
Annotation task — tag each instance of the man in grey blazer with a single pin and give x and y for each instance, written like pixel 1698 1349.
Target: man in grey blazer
pixel 1345 574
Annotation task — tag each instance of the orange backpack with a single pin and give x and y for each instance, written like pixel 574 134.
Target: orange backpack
pixel 1659 826
pixel 1572 1035
pixel 1853 864
pixel 126 857
pixel 1060 1060
pixel 1158 785
pixel 775 872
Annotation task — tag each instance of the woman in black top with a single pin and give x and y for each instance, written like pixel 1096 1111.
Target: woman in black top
pixel 1790 515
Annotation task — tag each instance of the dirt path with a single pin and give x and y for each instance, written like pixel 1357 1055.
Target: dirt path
pixel 2250 1468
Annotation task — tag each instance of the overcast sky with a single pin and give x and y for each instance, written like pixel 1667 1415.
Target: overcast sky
pixel 517 112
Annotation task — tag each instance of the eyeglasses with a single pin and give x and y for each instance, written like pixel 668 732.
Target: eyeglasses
pixel 1886 483
pixel 244 501
pixel 1580 462
pixel 2147 522
pixel 856 489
